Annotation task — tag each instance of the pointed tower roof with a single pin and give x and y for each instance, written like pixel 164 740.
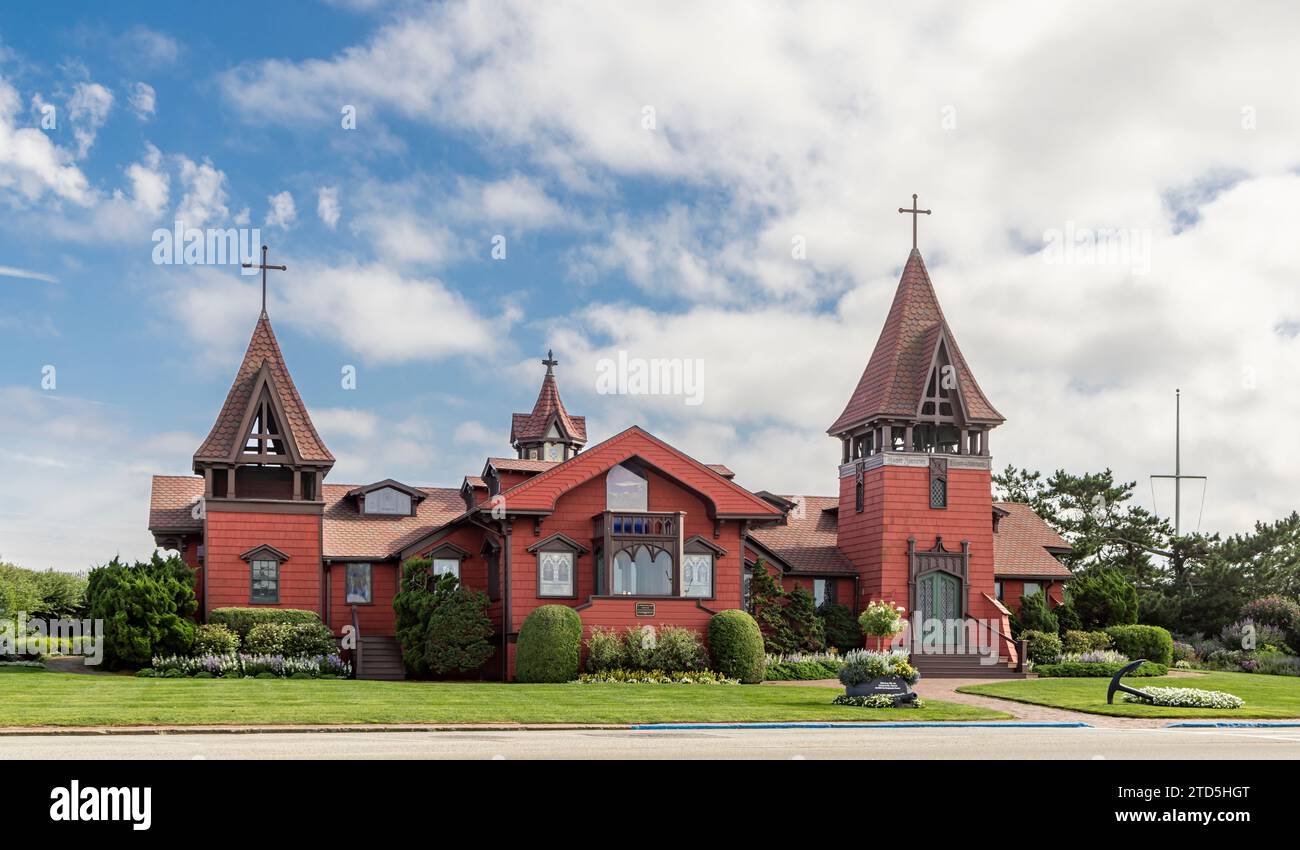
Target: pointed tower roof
pixel 533 426
pixel 263 362
pixel 895 378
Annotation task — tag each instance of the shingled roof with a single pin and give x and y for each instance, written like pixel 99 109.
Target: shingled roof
pixel 895 377
pixel 532 426
pixel 224 439
pixel 348 534
pixel 807 540
pixel 1023 544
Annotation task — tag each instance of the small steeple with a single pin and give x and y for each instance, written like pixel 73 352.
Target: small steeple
pixel 917 392
pixel 549 432
pixel 263 443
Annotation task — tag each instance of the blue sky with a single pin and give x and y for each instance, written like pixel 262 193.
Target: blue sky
pixel 652 182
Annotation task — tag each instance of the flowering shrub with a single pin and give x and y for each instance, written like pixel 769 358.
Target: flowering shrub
pixel 863 665
pixel 236 666
pixel 645 648
pixel 1183 651
pixel 1186 698
pixel 877 701
pixel 1273 610
pixel 881 619
pixel 214 639
pixel 1248 634
pixel 1095 656
pixel 655 677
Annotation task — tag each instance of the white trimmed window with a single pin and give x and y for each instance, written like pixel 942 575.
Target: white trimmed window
pixel 697 575
pixel 555 574
pixel 819 592
pixel 388 501
pixel 1030 588
pixel 441 566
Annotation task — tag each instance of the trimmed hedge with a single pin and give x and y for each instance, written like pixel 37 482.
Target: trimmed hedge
pixel 1079 670
pixel 214 639
pixel 1075 640
pixel 1043 647
pixel 1150 642
pixel 550 645
pixel 290 639
pixel 800 671
pixel 737 646
pixel 242 620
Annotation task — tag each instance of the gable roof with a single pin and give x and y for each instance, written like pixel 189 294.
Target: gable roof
pixel 539 493
pixel 895 377
pixel 223 441
pixel 1023 542
pixel 808 541
pixel 533 426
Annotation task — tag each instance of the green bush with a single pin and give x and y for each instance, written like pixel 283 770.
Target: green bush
pixel 1067 617
pixel 800 671
pixel 605 651
pixel 146 608
pixel 1078 641
pixel 267 639
pixel 1078 669
pixel 1104 598
pixel 1044 647
pixel 1274 611
pixel 242 620
pixel 1150 642
pixel 1036 614
pixel 736 646
pixel 214 639
pixel 310 639
pixel 678 650
pixel 840 626
pixel 443 628
pixel 550 643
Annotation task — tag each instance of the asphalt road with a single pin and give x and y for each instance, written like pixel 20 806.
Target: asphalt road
pixel 880 743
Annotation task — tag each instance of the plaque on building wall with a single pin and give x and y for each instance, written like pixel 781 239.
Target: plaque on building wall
pixel 645 609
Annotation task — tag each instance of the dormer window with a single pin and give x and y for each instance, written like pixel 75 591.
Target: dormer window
pixel 387 498
pixel 388 501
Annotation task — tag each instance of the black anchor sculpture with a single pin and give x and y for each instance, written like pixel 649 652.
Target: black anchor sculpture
pixel 1116 686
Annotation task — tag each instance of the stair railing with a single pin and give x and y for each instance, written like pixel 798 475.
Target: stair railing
pixel 1018 647
pixel 356 650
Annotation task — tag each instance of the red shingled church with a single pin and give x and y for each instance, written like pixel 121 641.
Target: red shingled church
pixel 631 530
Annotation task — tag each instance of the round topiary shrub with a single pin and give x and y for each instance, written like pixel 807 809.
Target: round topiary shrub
pixel 736 645
pixel 1044 647
pixel 550 644
pixel 1150 642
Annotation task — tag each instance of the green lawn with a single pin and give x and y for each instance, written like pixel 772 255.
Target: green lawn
pixel 31 697
pixel 1265 696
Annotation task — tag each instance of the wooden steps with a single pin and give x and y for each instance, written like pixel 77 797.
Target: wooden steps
pixel 962 666
pixel 379 657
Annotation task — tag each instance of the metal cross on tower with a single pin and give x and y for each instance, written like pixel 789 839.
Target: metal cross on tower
pixel 550 362
pixel 915 212
pixel 1178 464
pixel 263 266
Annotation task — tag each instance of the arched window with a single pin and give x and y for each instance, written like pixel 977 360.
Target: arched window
pixel 643 571
pixel 625 490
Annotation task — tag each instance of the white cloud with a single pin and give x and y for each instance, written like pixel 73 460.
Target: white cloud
pixel 327 205
pixel 515 201
pixel 143 100
pixel 205 195
pixel 149 183
pixel 282 212
pixel 25 274
pixel 150 47
pixel 31 165
pixel 88 109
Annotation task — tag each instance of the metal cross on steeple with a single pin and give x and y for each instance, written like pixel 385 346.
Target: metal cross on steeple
pixel 550 362
pixel 915 212
pixel 264 267
pixel 1178 463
